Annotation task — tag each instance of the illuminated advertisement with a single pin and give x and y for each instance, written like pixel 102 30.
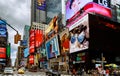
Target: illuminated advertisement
pixel 38 37
pixel 32 41
pixel 79 35
pixel 105 3
pixel 96 8
pixel 3 31
pixel 8 50
pixel 41 4
pixel 73 6
pixel 64 39
pixel 2 52
pixel 52 47
pixel 26 52
pixel 52 28
pixel 31 59
pixel 23 42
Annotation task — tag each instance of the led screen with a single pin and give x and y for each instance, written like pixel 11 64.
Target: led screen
pixel 79 35
pixel 52 47
pixel 73 6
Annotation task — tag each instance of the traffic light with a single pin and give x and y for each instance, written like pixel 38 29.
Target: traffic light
pixel 17 38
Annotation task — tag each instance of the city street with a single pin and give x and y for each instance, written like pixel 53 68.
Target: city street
pixel 27 74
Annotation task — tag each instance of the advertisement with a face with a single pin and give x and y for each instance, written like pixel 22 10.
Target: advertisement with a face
pixel 52 47
pixel 41 4
pixel 2 52
pixel 73 6
pixel 64 39
pixel 79 35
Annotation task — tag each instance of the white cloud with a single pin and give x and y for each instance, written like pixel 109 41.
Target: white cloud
pixel 17 14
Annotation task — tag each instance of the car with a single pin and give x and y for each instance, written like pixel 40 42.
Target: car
pixel 8 70
pixel 21 71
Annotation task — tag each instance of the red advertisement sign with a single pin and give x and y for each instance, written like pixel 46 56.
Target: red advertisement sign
pixel 32 41
pixel 31 59
pixel 2 52
pixel 99 9
pixel 38 37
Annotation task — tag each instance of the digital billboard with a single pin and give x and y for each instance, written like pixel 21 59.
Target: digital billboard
pixel 38 37
pixel 23 42
pixel 26 52
pixel 8 50
pixel 41 4
pixel 98 9
pixel 52 28
pixel 75 9
pixel 31 59
pixel 2 52
pixel 3 31
pixel 32 41
pixel 52 47
pixel 64 41
pixel 73 6
pixel 79 35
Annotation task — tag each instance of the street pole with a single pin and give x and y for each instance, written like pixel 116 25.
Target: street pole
pixel 102 61
pixel 9 25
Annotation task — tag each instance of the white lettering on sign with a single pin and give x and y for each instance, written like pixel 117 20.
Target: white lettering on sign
pixel 103 3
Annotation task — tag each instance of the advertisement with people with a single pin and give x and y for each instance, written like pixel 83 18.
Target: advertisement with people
pixel 52 47
pixel 79 35
pixel 64 39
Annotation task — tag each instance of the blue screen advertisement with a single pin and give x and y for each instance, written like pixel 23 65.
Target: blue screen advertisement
pixel 52 47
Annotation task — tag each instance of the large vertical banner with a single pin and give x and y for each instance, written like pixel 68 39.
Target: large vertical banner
pixel 38 37
pixel 8 50
pixel 64 41
pixel 79 35
pixel 32 41
pixel 52 47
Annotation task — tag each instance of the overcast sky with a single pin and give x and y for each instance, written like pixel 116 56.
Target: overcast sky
pixel 17 14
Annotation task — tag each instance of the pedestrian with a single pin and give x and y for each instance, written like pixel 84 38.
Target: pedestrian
pixel 107 72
